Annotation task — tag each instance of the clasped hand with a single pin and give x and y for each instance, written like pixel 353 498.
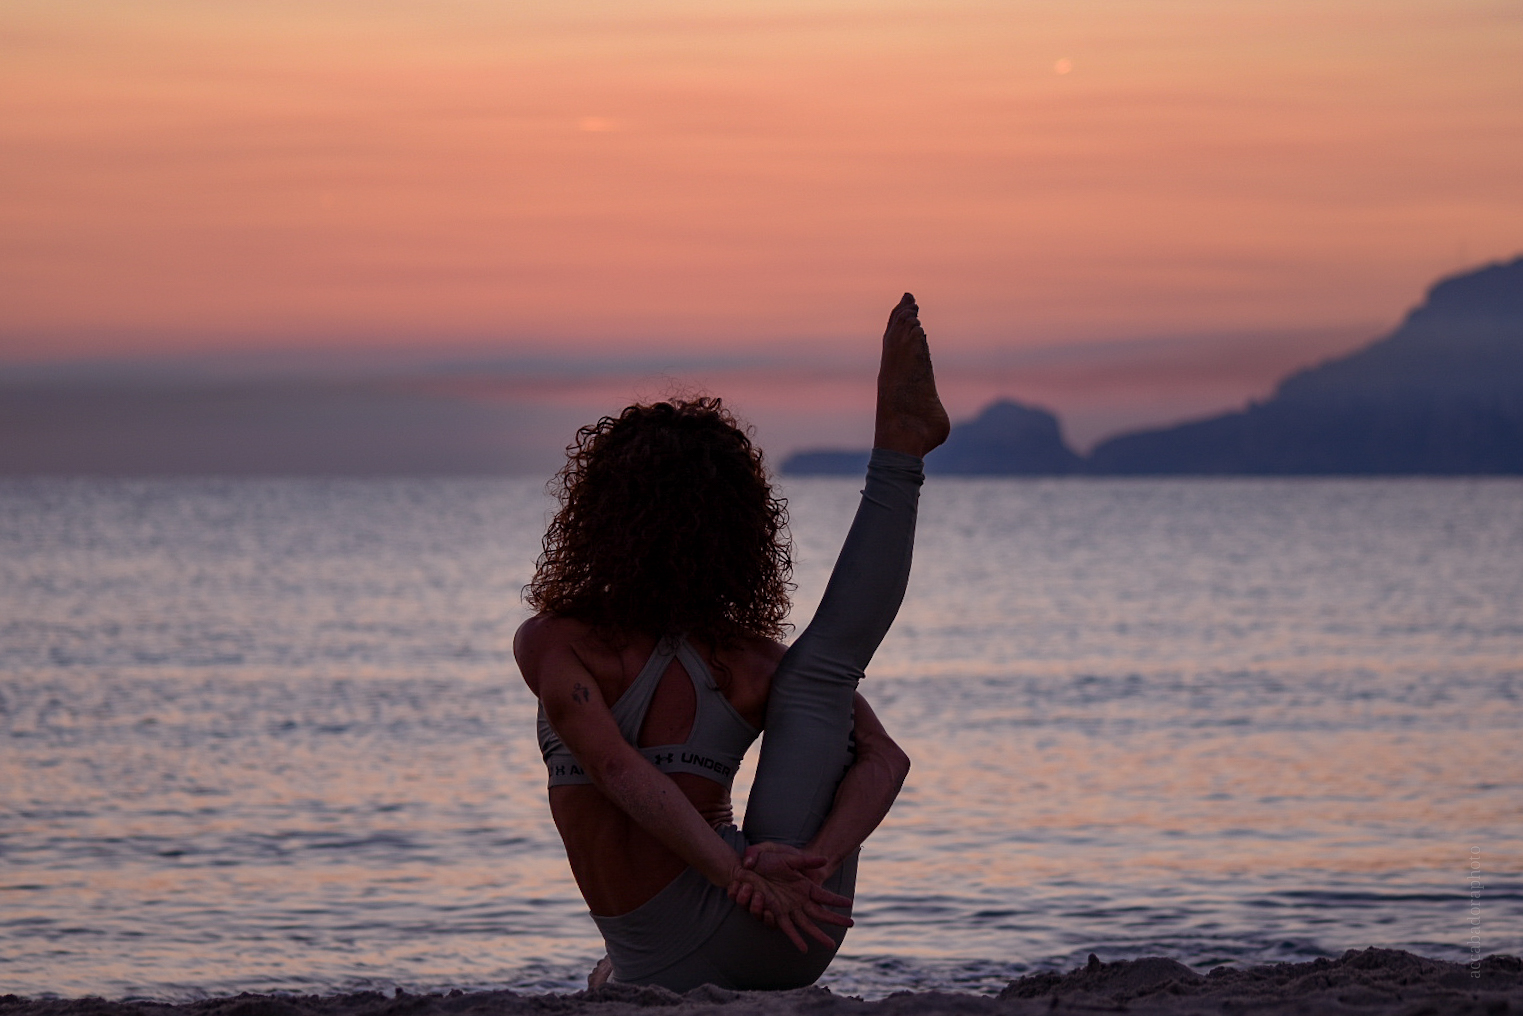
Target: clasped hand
pixel 780 885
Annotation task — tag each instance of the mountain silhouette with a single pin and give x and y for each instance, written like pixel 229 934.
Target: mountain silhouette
pixel 1440 395
pixel 1006 439
pixel 827 462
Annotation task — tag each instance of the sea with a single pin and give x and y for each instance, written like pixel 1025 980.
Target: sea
pixel 267 735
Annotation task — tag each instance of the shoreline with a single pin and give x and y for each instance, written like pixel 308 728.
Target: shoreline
pixel 1371 982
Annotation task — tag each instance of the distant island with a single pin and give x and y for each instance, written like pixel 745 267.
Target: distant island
pixel 1442 395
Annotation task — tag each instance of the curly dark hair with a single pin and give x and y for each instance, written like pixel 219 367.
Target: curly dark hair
pixel 667 525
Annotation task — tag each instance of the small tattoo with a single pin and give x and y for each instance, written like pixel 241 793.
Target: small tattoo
pixel 579 693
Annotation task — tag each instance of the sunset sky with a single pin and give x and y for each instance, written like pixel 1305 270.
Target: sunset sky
pixel 1143 194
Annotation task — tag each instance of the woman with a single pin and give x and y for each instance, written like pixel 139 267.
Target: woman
pixel 661 594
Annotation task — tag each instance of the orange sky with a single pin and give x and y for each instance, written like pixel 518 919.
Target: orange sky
pixel 577 175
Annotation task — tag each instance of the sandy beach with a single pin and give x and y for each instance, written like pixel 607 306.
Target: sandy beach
pixel 1368 982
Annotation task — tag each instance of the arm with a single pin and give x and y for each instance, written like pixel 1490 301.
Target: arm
pixel 575 707
pixel 866 793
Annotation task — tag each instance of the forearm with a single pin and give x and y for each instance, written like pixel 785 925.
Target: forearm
pixel 655 802
pixel 866 793
pixel 574 705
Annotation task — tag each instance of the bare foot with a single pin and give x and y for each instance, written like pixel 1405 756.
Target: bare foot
pixel 910 416
pixel 600 974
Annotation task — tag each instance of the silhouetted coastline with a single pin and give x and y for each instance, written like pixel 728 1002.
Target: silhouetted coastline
pixel 1441 395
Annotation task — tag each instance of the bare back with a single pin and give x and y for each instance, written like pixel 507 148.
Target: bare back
pixel 617 864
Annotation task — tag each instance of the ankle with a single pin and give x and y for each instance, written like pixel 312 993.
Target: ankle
pixel 908 438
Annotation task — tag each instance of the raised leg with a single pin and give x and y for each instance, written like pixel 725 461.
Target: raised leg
pixel 809 711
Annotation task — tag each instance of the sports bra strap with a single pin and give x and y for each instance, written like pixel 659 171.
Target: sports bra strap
pixel 694 665
pixel 629 711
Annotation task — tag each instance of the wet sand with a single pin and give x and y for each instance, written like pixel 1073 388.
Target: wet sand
pixel 1368 982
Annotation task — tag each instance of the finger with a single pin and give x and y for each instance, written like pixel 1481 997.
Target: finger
pixel 814 932
pixel 830 916
pixel 793 934
pixel 754 904
pixel 820 894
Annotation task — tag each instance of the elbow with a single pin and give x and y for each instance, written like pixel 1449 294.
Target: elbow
pixel 610 775
pixel 885 756
pixel 898 762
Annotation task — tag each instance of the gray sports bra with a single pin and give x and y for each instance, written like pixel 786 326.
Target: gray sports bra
pixel 714 747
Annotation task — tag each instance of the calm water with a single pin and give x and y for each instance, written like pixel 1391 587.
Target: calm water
pixel 265 735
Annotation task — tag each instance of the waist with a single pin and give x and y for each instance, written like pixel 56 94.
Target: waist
pixel 670 924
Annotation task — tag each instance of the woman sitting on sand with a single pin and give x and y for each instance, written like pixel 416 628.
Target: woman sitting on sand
pixel 661 593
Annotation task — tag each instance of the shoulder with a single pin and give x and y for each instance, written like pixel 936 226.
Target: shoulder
pixel 767 653
pixel 544 637
pixel 752 654
pixel 543 631
pixel 749 667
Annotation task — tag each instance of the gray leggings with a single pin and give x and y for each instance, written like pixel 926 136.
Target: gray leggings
pixel 690 933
